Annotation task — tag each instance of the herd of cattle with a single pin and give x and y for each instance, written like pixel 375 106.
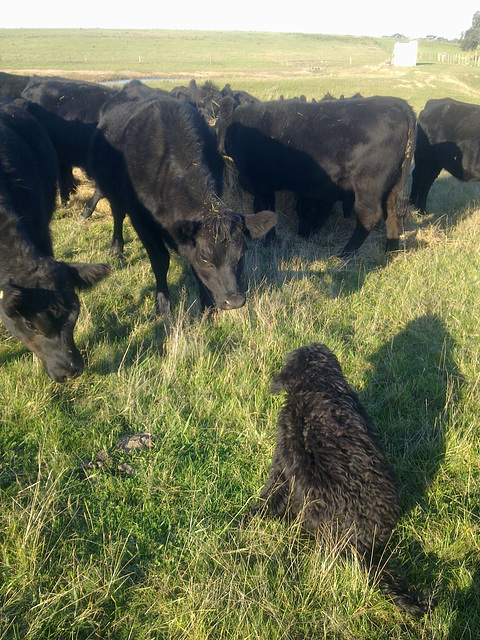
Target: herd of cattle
pixel 158 156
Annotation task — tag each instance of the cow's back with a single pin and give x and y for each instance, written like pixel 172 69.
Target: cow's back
pixel 163 148
pixel 446 119
pixel 292 144
pixel 12 85
pixel 29 171
pixel 449 138
pixel 69 99
pixel 316 127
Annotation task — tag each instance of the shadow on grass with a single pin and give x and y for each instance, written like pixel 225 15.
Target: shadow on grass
pixel 409 394
pixel 466 623
pixel 449 202
pixel 125 348
pixel 136 328
pixel 413 384
pixel 317 261
pixel 13 350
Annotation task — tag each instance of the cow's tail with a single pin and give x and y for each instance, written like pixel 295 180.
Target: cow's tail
pixel 403 202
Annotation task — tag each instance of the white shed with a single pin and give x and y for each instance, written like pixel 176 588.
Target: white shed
pixel 405 53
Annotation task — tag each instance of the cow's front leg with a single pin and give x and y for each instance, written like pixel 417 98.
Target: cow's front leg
pixel 116 246
pixel 149 233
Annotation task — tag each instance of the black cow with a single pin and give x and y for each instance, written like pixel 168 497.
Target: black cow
pixel 155 158
pixel 131 90
pixel 205 98
pixel 134 89
pixel 69 110
pixel 12 84
pixel 38 303
pixel 310 214
pixel 448 137
pixel 328 96
pixel 186 93
pixel 239 96
pixel 319 150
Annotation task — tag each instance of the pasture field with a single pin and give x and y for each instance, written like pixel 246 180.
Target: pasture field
pixel 266 64
pixel 157 544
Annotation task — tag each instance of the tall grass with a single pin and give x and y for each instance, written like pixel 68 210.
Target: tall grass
pixel 165 548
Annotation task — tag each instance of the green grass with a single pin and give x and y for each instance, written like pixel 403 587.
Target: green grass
pixel 184 51
pixel 168 552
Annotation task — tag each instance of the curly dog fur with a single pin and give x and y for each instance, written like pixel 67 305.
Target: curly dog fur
pixel 328 467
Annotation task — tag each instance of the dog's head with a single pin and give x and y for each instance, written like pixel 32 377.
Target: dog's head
pixel 303 366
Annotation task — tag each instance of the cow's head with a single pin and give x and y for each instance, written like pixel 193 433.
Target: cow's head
pixel 42 309
pixel 215 247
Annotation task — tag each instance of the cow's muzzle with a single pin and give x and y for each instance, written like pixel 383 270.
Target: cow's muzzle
pixel 234 301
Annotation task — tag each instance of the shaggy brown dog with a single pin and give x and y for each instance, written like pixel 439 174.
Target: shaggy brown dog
pixel 328 467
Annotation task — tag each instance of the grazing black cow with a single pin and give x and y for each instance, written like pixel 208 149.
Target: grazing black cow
pixel 328 467
pixel 155 159
pixel 38 303
pixel 69 110
pixel 328 96
pixel 207 97
pixel 319 150
pixel 448 137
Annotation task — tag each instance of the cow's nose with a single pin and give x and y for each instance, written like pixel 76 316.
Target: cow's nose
pixel 234 301
pixel 69 375
pixel 65 373
pixel 77 369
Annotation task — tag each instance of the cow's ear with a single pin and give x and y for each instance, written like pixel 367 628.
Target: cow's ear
pixel 193 89
pixel 185 231
pixel 226 105
pixel 259 224
pixel 85 274
pixel 12 299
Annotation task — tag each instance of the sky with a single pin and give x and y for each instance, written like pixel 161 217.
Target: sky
pixel 412 18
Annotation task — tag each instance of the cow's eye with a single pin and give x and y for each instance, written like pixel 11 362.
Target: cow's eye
pixel 30 326
pixel 205 259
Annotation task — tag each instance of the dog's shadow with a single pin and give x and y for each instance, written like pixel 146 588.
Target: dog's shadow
pixel 467 618
pixel 413 382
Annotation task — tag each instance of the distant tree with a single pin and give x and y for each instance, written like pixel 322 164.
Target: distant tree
pixel 471 38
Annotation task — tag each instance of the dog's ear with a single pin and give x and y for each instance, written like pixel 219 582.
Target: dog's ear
pixel 278 384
